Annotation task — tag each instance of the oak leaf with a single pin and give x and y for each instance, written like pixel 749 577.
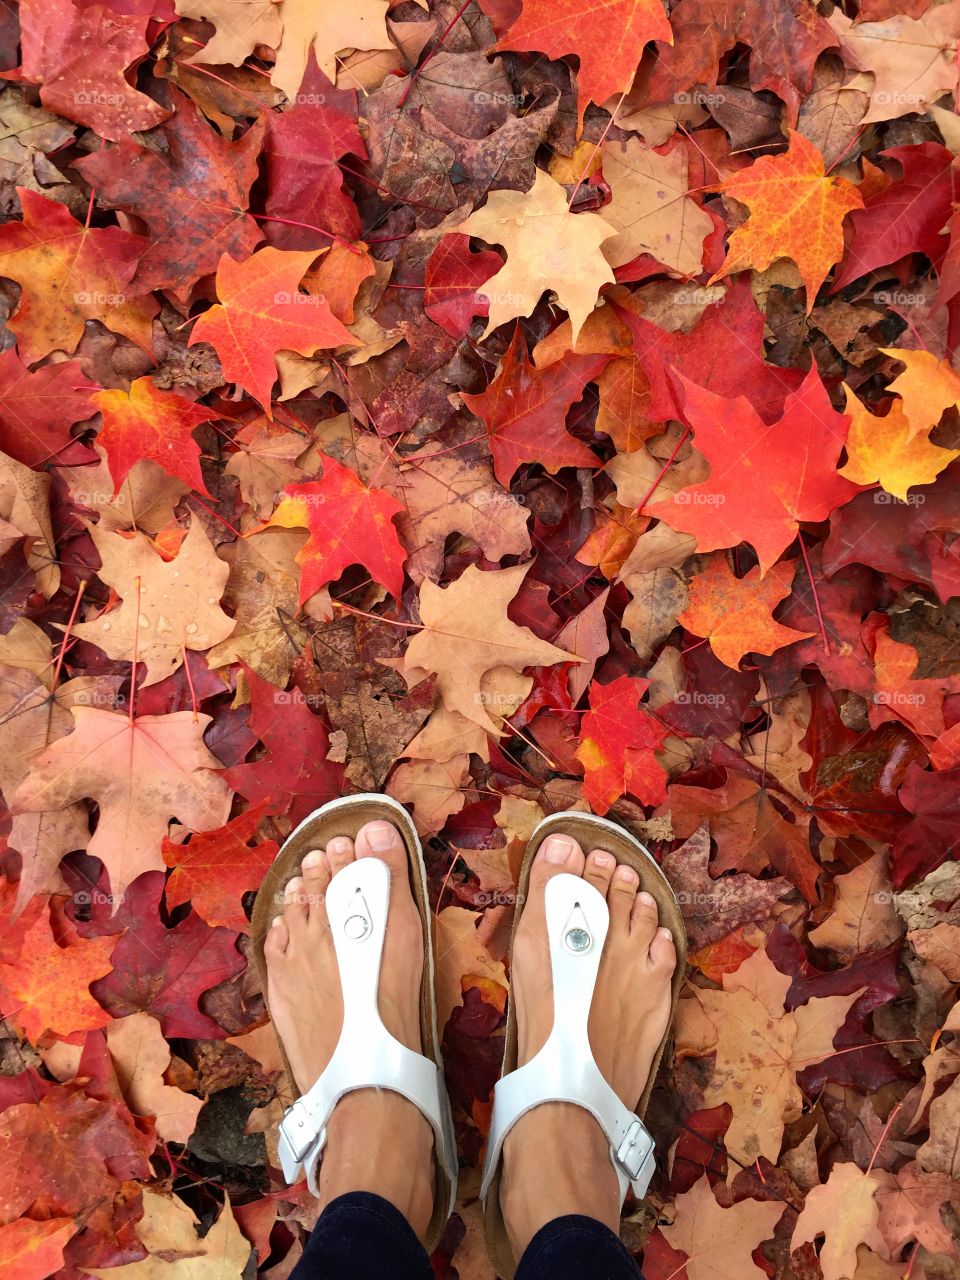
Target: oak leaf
pixel 466 633
pixel 168 606
pixel 548 248
pixel 262 311
pixel 142 772
pixel 796 211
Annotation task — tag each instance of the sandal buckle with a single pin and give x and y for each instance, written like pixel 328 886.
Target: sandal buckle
pixel 634 1150
pixel 298 1130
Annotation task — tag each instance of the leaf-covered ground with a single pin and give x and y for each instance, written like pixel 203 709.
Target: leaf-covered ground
pixel 512 405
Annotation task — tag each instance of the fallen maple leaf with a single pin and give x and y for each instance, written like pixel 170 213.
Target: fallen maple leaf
pixel 349 523
pixel 214 869
pixel 864 917
pixel 80 58
pixel 466 633
pixel 69 274
pixel 262 311
pixel 608 38
pixel 192 196
pixel 548 248
pixel 719 1242
pixel 759 1049
pixel 735 614
pixel 618 741
pixel 524 410
pixel 145 422
pixel 142 772
pixel 168 606
pixel 844 1209
pixel 295 775
pixel 796 211
pixel 47 989
pixel 651 209
pixel 460 953
pixel 889 451
pixel 327 29
pixel 239 26
pixel 38 407
pixel 789 468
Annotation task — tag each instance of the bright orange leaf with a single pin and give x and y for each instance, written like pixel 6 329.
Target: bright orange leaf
pixel 885 449
pixel 735 614
pixel 796 211
pixel 608 37
pixel 34 1250
pixel 146 422
pixel 262 311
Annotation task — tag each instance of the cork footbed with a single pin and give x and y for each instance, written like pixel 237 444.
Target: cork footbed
pixel 345 817
pixel 590 832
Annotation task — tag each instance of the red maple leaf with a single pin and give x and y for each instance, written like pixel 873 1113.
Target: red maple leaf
pixel 618 740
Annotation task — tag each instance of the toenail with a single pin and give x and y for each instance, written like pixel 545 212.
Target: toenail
pixel 626 873
pixel 602 859
pixel 381 836
pixel 557 849
pixel 665 933
pixel 276 920
pixel 312 859
pixel 646 899
pixel 339 845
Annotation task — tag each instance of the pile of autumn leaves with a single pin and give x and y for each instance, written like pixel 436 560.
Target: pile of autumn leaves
pixel 501 508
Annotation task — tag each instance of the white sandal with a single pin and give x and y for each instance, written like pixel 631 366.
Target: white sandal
pixel 367 1056
pixel 564 1070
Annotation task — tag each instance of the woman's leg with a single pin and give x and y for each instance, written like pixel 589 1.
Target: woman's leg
pixel 559 1193
pixel 376 1177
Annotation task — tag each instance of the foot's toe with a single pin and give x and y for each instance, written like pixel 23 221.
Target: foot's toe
pixel 277 939
pixel 644 919
pixel 663 952
pixel 316 878
pixel 294 904
pixel 557 854
pixel 339 853
pixel 599 869
pixel 382 840
pixel 621 897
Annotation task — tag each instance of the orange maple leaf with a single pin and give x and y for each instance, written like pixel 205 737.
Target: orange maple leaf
pixel 735 614
pixel 796 211
pixel 262 311
pixel 608 36
pixel 146 422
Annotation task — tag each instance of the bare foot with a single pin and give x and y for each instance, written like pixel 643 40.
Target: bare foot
pixel 376 1140
pixel 556 1159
